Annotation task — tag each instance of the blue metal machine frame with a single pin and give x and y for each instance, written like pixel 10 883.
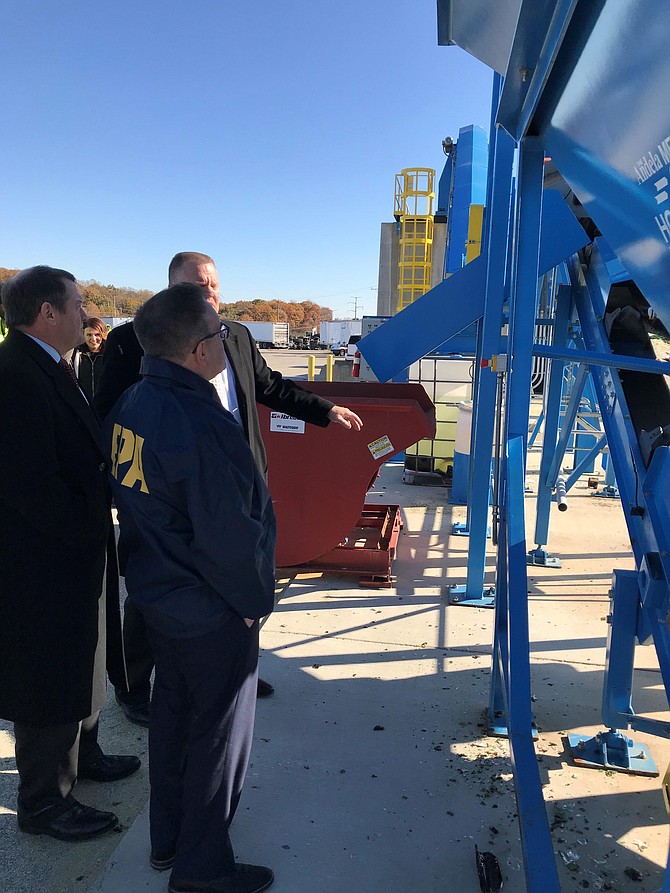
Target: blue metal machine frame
pixel 549 54
pixel 511 648
pixel 641 599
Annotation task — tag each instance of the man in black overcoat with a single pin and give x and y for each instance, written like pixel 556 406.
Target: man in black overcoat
pixel 246 381
pixel 54 535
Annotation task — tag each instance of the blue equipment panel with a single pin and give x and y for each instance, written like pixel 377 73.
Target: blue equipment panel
pixel 609 135
pixel 469 189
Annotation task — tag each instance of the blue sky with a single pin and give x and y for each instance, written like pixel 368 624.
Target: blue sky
pixel 265 134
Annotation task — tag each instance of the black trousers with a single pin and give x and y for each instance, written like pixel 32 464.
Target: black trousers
pixel 202 719
pixel 48 758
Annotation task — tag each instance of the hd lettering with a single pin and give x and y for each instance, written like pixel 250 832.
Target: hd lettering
pixel 651 165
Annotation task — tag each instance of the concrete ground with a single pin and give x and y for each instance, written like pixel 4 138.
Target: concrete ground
pixel 371 769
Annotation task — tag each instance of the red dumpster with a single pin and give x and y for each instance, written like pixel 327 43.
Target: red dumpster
pixel 318 477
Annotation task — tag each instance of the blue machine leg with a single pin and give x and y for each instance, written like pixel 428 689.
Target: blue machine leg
pixel 498 200
pixel 540 865
pixel 473 492
pixel 539 557
pixel 611 749
pixel 476 409
pixel 510 697
pixel 610 489
pixel 553 397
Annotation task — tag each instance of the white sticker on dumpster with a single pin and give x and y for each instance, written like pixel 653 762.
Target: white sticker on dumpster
pixel 381 447
pixel 279 421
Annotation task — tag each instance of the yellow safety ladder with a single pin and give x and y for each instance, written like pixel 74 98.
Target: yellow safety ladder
pixel 414 196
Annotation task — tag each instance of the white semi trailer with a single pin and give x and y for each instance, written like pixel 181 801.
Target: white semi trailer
pixel 269 334
pixel 339 331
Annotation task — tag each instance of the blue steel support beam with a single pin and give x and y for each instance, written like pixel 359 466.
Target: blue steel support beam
pixel 476 403
pixel 539 421
pixel 585 462
pixel 611 360
pixel 552 413
pixel 623 622
pixel 540 865
pixel 539 860
pixel 569 417
pixel 483 398
pixel 524 290
pixel 483 422
pixel 425 324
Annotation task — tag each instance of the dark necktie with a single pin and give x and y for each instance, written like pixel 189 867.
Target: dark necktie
pixel 70 371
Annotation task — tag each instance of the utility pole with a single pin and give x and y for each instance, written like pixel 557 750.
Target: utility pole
pixel 355 303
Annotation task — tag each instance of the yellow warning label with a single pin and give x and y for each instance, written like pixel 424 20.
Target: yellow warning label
pixel 381 447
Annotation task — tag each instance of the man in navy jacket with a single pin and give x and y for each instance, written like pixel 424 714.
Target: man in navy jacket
pixel 198 525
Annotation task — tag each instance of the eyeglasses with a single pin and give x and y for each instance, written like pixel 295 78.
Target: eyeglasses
pixel 222 333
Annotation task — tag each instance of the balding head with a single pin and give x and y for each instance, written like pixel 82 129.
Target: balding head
pixel 194 268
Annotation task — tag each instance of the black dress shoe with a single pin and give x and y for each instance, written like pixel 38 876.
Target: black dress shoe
pixel 106 767
pixel 264 689
pixel 72 821
pixel 244 879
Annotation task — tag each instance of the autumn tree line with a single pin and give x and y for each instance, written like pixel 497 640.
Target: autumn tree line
pixel 112 300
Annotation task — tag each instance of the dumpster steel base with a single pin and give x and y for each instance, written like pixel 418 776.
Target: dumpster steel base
pixel 368 551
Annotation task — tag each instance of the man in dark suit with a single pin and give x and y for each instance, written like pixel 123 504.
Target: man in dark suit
pixel 246 380
pixel 54 533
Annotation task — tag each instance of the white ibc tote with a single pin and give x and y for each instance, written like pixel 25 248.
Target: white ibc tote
pixel 459 480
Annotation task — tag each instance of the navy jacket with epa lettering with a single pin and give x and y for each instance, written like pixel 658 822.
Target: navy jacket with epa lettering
pixel 196 517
